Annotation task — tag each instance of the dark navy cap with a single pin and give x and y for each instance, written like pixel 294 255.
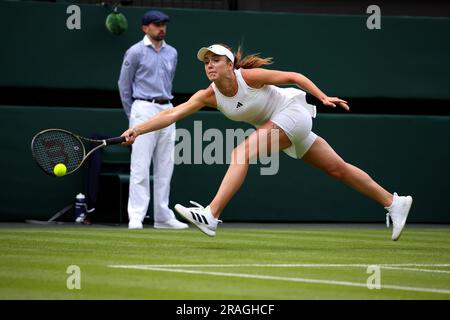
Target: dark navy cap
pixel 154 16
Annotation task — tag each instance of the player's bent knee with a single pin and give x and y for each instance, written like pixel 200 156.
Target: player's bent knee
pixel 240 155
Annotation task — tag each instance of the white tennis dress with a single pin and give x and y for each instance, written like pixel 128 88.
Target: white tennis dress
pixel 286 107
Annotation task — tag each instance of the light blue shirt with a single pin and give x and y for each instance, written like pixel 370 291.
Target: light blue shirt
pixel 146 73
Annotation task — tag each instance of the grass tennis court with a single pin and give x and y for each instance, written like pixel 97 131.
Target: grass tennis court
pixel 288 262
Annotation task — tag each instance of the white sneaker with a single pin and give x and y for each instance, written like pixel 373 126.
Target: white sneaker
pixel 135 224
pixel 201 217
pixel 170 224
pixel 398 212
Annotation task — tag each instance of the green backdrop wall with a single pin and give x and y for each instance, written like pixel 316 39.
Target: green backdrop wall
pixel 406 154
pixel 408 57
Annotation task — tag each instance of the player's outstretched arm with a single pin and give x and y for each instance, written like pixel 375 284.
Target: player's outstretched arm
pixel 167 117
pixel 259 77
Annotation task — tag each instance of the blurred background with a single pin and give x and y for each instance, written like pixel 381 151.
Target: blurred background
pixel 396 80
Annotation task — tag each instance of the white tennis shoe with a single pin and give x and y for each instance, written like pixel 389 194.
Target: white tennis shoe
pixel 398 212
pixel 200 217
pixel 135 224
pixel 170 224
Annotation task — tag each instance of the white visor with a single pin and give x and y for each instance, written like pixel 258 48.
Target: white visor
pixel 217 49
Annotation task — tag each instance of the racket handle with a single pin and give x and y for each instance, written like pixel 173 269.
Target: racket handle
pixel 115 140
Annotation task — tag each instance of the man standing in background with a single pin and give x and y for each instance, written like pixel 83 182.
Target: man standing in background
pixel 145 86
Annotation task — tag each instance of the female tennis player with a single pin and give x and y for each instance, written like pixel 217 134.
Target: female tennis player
pixel 243 91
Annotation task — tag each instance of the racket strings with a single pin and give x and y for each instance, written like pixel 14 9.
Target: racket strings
pixel 53 147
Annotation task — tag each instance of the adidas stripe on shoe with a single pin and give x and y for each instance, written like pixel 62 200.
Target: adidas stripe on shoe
pixel 200 217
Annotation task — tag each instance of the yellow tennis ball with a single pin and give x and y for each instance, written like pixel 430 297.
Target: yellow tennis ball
pixel 60 170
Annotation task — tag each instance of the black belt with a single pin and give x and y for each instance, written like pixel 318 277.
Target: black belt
pixel 158 101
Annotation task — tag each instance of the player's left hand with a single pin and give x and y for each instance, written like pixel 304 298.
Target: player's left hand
pixel 333 101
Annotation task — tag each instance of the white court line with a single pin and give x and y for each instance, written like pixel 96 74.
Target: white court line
pixel 304 280
pixel 415 269
pixel 295 265
pixel 398 266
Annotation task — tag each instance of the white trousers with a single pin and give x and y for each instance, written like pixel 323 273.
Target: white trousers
pixel 155 148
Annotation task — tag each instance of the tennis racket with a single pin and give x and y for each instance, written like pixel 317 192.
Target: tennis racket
pixel 52 146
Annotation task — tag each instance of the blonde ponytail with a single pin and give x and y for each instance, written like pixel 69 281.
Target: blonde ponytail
pixel 248 62
pixel 251 61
